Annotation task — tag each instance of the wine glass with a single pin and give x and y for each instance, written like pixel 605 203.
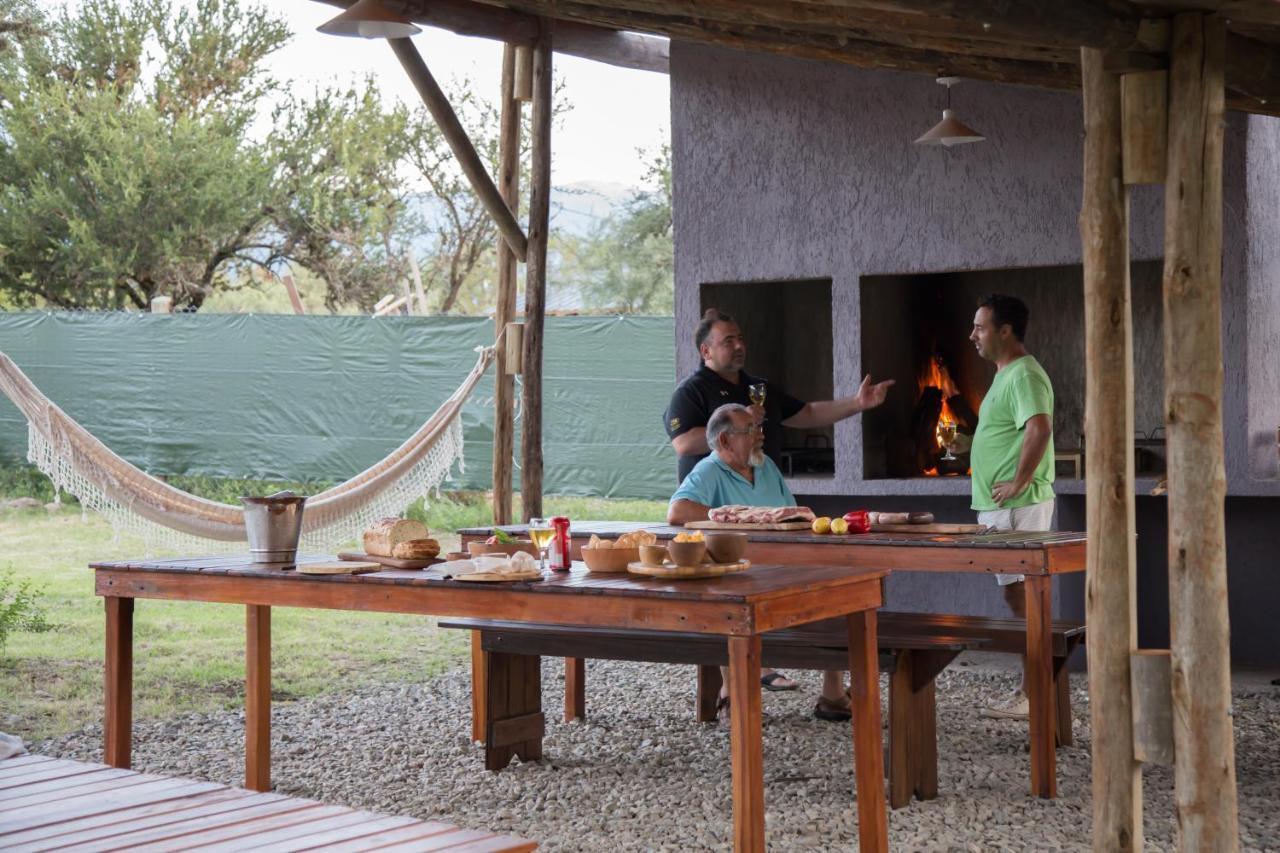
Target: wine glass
pixel 756 392
pixel 947 437
pixel 541 532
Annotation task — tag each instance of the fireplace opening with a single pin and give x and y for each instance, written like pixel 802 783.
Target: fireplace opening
pixel 787 326
pixel 915 329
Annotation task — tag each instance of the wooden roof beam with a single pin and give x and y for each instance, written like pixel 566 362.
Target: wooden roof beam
pixel 466 18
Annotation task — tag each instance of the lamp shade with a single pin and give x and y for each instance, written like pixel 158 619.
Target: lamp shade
pixel 369 19
pixel 950 131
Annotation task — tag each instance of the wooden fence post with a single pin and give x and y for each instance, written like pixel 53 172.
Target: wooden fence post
pixel 1112 559
pixel 535 292
pixel 504 313
pixel 1204 774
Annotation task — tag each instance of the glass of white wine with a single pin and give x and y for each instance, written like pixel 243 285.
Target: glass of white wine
pixel 541 532
pixel 947 437
pixel 756 392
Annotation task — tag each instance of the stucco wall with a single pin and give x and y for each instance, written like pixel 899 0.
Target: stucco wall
pixel 794 169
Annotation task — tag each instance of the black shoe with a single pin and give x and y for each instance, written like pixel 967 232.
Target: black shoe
pixel 831 712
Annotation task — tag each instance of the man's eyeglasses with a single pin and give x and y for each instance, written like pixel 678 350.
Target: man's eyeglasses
pixel 747 430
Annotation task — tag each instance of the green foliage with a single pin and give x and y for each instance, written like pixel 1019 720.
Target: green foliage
pixel 626 265
pixel 19 610
pixel 25 481
pixel 128 168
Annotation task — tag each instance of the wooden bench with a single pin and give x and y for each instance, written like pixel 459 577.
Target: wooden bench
pixel 914 649
pixel 49 802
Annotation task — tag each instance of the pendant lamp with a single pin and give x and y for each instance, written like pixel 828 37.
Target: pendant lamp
pixel 370 19
pixel 950 131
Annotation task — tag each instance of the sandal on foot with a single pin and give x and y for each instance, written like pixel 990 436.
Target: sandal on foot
pixel 831 711
pixel 770 682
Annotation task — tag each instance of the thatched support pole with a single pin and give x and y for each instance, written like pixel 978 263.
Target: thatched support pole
pixel 535 292
pixel 1204 777
pixel 1112 559
pixel 505 310
pixel 468 160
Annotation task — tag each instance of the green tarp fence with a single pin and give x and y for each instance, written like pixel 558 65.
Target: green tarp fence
pixel 323 397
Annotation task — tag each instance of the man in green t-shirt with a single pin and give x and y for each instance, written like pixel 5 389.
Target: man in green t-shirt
pixel 1012 453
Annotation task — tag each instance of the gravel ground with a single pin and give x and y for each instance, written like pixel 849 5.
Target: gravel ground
pixel 640 774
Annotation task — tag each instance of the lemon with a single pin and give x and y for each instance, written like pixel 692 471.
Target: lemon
pixel 839 525
pixel 821 525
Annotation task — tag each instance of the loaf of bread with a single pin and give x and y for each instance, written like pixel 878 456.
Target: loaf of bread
pixel 416 549
pixel 382 537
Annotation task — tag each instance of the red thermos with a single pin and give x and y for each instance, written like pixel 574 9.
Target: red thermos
pixel 562 550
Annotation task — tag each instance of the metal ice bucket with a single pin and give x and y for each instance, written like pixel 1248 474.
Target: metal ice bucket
pixel 273 524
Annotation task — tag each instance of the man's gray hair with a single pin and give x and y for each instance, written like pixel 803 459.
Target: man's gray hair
pixel 721 420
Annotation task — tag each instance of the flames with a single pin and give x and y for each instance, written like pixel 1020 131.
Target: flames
pixel 936 375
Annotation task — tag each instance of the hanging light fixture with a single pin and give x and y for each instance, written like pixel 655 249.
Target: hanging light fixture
pixel 370 19
pixel 950 131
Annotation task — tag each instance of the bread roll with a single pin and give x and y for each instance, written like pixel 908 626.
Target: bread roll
pixel 416 549
pixel 385 534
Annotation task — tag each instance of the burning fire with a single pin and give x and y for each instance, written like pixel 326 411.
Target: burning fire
pixel 936 375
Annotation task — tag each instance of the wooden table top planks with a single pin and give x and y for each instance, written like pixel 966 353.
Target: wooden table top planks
pixel 72 805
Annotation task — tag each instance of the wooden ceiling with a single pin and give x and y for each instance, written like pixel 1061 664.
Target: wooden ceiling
pixel 1026 42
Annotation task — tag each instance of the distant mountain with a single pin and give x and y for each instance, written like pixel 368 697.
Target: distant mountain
pixel 576 208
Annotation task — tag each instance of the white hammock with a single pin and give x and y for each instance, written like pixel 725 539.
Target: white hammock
pixel 173 519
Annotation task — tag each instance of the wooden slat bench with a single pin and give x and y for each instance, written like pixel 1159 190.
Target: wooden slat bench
pixel 914 649
pixel 48 803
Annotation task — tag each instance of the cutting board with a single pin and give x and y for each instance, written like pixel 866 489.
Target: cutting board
pixel 936 527
pixel 390 562
pixel 341 567
pixel 673 572
pixel 724 525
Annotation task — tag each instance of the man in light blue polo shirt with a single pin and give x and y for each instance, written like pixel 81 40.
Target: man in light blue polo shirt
pixel 739 472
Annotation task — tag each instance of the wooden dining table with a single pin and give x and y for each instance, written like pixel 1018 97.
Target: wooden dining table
pixel 738 607
pixel 1038 556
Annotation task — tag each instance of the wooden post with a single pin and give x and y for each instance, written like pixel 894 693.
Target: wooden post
pixel 292 289
pixel 1112 559
pixel 1205 776
pixel 257 698
pixel 524 74
pixel 117 724
pixel 469 161
pixel 535 290
pixel 503 382
pixel 1152 707
pixel 1144 105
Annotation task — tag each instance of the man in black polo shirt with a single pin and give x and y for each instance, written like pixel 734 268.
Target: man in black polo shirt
pixel 721 380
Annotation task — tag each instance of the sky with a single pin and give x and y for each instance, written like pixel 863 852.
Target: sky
pixel 615 110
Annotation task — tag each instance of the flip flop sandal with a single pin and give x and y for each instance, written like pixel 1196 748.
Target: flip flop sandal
pixel 831 712
pixel 769 682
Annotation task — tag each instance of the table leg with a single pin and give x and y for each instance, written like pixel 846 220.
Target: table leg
pixel 709 684
pixel 1040 692
pixel 514 723
pixel 117 726
pixel 868 748
pixel 257 698
pixel 479 687
pixel 575 689
pixel 745 744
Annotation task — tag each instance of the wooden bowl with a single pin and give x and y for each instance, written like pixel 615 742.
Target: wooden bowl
pixel 687 553
pixel 653 555
pixel 526 545
pixel 726 547
pixel 609 559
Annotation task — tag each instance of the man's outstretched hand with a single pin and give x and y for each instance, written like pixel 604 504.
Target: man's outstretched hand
pixel 869 396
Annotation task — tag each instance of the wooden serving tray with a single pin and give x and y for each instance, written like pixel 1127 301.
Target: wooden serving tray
pixel 705 570
pixel 936 527
pixel 390 562
pixel 724 525
pixel 498 577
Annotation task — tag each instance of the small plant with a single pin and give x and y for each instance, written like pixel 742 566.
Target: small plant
pixel 19 610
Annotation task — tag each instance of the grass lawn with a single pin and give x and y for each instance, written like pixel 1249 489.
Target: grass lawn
pixel 190 657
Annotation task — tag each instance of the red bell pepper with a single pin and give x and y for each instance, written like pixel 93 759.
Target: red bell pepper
pixel 858 521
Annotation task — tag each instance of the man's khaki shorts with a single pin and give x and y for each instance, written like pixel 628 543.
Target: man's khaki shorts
pixel 1038 517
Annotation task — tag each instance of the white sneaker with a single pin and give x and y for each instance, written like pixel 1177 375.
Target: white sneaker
pixel 1016 707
